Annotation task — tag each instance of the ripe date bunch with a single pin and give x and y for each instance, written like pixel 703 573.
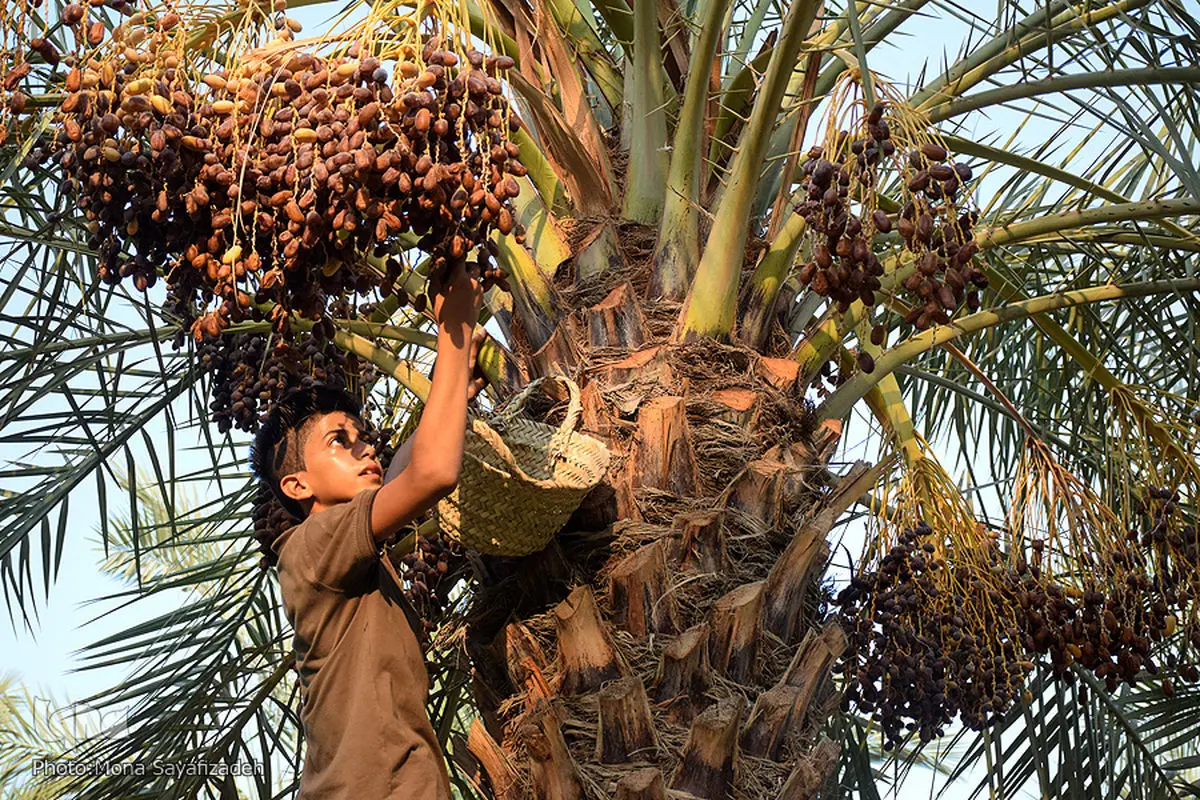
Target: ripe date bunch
pixel 850 234
pixel 282 180
pixel 249 372
pixel 275 188
pixel 429 572
pixel 934 634
pixel 919 654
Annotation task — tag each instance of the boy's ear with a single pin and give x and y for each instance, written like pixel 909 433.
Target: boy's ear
pixel 296 486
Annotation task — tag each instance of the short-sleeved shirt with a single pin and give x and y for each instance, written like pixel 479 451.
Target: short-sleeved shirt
pixel 362 675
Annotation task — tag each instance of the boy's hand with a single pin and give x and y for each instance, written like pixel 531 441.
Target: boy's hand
pixel 478 378
pixel 456 303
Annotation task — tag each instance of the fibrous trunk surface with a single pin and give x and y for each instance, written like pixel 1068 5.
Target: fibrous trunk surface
pixel 669 641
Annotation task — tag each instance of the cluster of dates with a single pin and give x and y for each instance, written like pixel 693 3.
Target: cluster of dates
pixel 848 230
pixel 936 635
pixel 271 191
pixel 270 181
pixel 917 657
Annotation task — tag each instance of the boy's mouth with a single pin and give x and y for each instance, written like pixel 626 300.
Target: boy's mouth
pixel 373 469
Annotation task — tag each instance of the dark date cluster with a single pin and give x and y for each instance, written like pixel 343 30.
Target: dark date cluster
pixel 249 372
pixel 1112 633
pixel 936 634
pixel 847 229
pixel 430 571
pixel 919 655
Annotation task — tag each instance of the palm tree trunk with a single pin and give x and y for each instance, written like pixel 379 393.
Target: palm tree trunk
pixel 670 639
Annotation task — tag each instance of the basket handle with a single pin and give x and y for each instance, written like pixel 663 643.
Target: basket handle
pixel 497 443
pixel 561 437
pixel 558 440
pixel 517 401
pixel 570 421
pixel 485 432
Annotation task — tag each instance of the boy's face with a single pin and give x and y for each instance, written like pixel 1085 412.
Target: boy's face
pixel 338 463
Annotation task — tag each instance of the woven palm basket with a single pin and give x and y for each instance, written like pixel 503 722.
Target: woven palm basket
pixel 521 479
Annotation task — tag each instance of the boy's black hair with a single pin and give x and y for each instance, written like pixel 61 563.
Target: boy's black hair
pixel 278 440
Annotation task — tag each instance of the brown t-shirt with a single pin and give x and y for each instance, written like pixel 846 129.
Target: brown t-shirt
pixel 362 674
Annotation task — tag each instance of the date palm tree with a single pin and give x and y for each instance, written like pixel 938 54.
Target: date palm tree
pixel 678 634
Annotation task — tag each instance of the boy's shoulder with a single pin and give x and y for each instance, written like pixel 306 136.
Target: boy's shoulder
pixel 328 518
pixel 333 548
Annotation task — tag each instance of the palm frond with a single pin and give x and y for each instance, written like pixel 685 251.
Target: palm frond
pixel 36 735
pixel 1134 744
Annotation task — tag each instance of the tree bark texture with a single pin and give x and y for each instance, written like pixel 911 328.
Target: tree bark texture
pixel 644 784
pixel 639 592
pixel 792 576
pixel 737 406
pixel 686 636
pixel 500 771
pixel 683 673
pixel 616 321
pixel 737 628
pixel 626 728
pixel 811 772
pixel 559 355
pixel 550 765
pixel 643 364
pixel 710 756
pixel 662 455
pixel 702 541
pixel 586 655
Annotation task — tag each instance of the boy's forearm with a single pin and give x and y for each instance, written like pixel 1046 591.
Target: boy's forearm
pixel 436 447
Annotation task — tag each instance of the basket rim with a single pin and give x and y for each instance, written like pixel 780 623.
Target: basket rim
pixel 587 449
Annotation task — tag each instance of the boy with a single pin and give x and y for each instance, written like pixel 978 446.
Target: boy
pixel 362 674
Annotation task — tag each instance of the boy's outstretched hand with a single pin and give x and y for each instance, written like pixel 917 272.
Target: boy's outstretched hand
pixel 456 305
pixel 457 301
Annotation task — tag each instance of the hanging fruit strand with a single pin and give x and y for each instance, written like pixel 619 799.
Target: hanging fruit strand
pixel 943 623
pixel 273 178
pixel 882 152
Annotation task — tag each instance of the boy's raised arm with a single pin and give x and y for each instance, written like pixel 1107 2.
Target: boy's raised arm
pixel 404 451
pixel 399 460
pixel 435 450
